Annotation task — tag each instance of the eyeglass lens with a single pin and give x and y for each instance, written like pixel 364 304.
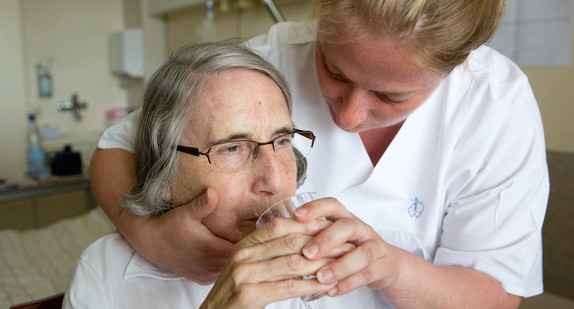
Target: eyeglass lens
pixel 234 155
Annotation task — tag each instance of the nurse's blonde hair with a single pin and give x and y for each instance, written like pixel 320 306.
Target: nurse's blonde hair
pixel 440 33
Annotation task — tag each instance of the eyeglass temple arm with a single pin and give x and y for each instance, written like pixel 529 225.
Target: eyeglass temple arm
pixel 190 150
pixel 307 134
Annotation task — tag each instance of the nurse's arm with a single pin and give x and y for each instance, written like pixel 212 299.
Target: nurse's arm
pixel 404 279
pixel 177 240
pixel 424 285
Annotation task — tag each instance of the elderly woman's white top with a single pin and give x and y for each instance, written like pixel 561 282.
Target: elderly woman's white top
pixel 109 274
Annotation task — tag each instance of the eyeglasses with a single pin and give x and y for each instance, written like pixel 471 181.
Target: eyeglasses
pixel 234 155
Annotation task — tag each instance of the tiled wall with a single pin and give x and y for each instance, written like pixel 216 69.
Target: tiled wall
pixel 558 230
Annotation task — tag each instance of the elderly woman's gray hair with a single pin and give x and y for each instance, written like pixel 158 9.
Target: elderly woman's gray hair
pixel 173 88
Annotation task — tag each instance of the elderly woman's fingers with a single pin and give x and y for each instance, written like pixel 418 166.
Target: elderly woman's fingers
pixel 280 227
pixel 258 295
pixel 286 245
pixel 280 268
pixel 279 290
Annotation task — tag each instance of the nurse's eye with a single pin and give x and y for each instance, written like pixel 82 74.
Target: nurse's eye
pixel 333 75
pixel 390 100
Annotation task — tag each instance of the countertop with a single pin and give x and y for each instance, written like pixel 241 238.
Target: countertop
pixel 35 188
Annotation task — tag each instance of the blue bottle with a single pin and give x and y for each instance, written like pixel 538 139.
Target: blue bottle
pixel 37 168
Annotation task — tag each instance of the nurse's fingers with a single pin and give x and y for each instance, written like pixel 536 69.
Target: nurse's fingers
pixel 344 230
pixel 367 264
pixel 329 208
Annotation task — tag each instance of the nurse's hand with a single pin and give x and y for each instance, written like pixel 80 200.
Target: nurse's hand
pixel 373 262
pixel 404 279
pixel 267 266
pixel 179 241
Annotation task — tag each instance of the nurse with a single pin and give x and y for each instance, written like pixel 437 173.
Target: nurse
pixel 430 143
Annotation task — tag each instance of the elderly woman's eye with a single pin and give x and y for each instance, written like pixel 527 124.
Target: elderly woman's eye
pixel 231 148
pixel 283 141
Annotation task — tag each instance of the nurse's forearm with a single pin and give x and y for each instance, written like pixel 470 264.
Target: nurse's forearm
pixel 177 240
pixel 112 173
pixel 423 285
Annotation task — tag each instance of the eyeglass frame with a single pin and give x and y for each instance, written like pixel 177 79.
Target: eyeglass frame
pixel 195 151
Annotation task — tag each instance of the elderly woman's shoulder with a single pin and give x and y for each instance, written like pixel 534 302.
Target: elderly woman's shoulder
pixel 111 247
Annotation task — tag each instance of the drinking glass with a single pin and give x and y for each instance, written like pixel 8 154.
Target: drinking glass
pixel 285 209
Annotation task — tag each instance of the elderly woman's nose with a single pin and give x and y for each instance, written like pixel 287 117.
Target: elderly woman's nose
pixel 269 171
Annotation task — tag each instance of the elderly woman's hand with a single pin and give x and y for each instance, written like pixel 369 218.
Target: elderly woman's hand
pixel 267 266
pixel 373 262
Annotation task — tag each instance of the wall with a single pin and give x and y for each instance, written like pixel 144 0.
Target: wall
pixel 185 26
pixel 554 90
pixel 12 91
pixel 75 34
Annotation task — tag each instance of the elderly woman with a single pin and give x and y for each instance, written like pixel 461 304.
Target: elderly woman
pixel 214 116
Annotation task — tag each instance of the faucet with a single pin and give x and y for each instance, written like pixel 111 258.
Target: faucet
pixel 74 105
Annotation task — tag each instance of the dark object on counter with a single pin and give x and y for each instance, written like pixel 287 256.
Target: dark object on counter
pixel 67 162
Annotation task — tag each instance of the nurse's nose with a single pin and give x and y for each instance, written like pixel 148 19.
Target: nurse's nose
pixel 353 109
pixel 269 172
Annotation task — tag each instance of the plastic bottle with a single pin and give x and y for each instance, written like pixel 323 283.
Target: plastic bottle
pixel 206 30
pixel 37 168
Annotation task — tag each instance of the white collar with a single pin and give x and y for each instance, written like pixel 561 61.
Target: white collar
pixel 140 267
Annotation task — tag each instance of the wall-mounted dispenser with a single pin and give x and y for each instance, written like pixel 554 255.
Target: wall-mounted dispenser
pixel 127 53
pixel 45 85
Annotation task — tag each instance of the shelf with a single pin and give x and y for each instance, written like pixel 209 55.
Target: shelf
pixel 161 7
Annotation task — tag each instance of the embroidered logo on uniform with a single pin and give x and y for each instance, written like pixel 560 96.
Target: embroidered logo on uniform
pixel 416 208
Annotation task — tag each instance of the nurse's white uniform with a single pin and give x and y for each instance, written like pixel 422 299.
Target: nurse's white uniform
pixel 464 182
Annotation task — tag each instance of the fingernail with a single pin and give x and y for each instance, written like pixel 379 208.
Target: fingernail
pixel 300 212
pixel 325 276
pixel 332 292
pixel 310 251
